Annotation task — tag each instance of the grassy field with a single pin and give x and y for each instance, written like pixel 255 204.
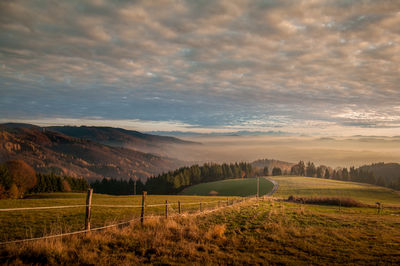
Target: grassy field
pixel 254 232
pixel 231 187
pixel 309 186
pixel 263 231
pixel 34 223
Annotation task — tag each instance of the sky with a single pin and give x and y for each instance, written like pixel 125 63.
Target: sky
pixel 317 67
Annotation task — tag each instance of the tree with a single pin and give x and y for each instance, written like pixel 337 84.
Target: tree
pixel 298 169
pixel 319 172
pixel 22 175
pixel 276 171
pixel 310 170
pixel 265 171
pixel 327 175
pixel 5 178
pixel 345 174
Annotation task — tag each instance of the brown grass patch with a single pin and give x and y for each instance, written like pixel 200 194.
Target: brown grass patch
pixel 336 201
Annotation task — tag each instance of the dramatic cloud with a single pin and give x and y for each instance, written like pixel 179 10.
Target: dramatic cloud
pixel 321 65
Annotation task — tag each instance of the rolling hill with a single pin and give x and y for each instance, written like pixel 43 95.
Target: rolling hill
pixel 270 163
pixel 118 137
pixel 50 151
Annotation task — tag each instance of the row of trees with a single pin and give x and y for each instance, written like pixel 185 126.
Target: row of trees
pixel 118 187
pixel 352 174
pixel 275 171
pixel 174 181
pixel 55 183
pixel 18 178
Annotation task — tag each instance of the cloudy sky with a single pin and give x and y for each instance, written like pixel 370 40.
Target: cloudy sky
pixel 312 66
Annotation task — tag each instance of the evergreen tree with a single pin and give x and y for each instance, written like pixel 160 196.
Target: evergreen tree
pixel 276 171
pixel 265 171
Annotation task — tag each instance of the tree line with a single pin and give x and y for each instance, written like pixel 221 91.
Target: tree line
pixel 352 174
pixel 118 187
pixel 175 181
pixel 55 183
pixel 17 179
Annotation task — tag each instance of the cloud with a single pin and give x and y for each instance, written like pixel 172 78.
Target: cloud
pixel 206 63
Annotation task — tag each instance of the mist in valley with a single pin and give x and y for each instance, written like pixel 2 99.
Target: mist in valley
pixel 332 151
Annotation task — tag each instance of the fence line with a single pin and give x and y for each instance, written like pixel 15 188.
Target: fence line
pixel 102 205
pixel 68 234
pixel 42 208
pixel 120 223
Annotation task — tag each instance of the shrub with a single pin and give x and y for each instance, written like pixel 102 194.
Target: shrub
pixel 336 201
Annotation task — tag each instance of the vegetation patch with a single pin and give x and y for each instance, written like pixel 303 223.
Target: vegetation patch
pixel 336 201
pixel 255 232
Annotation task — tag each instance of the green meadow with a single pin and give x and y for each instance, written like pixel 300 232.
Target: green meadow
pixel 231 187
pixel 311 186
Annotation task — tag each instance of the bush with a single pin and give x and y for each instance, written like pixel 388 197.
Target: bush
pixel 336 201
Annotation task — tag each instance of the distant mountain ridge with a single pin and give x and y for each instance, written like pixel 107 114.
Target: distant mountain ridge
pixel 50 151
pixel 118 137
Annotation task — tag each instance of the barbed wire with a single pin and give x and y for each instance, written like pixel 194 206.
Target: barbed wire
pixel 117 224
pixel 104 205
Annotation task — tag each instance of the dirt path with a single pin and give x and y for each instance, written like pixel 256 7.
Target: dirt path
pixel 275 188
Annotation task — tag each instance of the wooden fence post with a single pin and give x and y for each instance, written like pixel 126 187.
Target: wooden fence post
pixel 88 208
pixel 258 187
pixel 166 209
pixel 201 209
pixel 143 206
pixel 179 207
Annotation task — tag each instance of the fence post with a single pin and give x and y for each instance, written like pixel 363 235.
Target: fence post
pixel 166 209
pixel 258 187
pixel 143 206
pixel 88 207
pixel 179 207
pixel 201 209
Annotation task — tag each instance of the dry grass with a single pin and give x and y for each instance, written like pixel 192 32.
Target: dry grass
pixel 256 232
pixel 335 201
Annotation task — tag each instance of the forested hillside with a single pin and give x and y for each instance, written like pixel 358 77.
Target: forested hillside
pixel 53 152
pixel 174 181
pixel 381 174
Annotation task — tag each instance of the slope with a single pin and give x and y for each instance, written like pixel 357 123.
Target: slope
pixel 118 137
pixel 49 151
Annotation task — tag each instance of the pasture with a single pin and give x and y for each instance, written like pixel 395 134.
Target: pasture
pixel 311 186
pixel 254 232
pixel 231 187
pixel 21 224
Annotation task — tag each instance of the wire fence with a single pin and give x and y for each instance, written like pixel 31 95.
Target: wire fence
pixel 204 208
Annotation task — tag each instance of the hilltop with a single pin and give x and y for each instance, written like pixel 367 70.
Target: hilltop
pixel 119 137
pixel 270 163
pixel 51 151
